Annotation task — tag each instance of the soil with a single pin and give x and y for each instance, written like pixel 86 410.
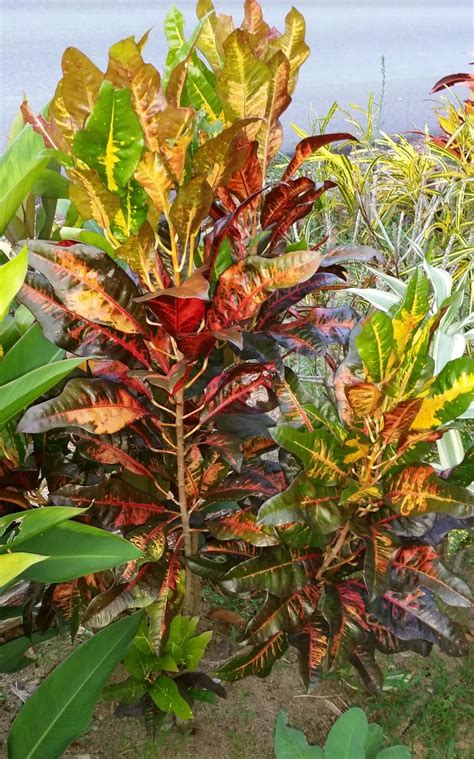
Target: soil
pixel 238 727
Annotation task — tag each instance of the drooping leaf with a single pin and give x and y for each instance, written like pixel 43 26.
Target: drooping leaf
pixel 75 334
pixel 379 549
pixel 89 283
pixel 417 490
pixel 245 286
pixel 369 671
pixel 278 570
pixel 415 616
pixel 95 405
pixel 287 614
pixel 112 139
pixel 420 565
pixel 257 660
pixel 310 145
pixel 312 645
pixel 62 707
pixel 344 610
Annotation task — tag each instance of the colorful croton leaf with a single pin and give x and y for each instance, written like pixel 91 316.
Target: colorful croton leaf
pixel 366 507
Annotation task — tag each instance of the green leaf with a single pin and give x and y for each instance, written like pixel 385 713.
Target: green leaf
pixel 33 521
pixel 13 564
pixel 12 275
pixel 375 343
pixel 166 696
pixel 278 570
pixel 304 501
pixel 22 391
pixel 395 752
pixel 254 660
pixel 291 743
pixel 31 351
pixel 75 549
pixel 112 140
pixel 12 653
pixel 20 166
pixel 347 737
pixel 61 708
pixel 374 741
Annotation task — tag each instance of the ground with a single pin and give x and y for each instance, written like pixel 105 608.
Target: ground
pixel 433 711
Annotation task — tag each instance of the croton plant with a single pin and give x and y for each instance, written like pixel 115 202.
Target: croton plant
pixel 184 430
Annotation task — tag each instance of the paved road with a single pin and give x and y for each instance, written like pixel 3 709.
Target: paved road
pixel 420 41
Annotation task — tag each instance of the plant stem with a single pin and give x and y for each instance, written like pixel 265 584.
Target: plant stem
pixel 192 586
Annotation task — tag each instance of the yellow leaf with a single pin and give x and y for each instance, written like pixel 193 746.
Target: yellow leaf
pixel 78 88
pixel 244 83
pixel 293 44
pixel 154 177
pixel 270 134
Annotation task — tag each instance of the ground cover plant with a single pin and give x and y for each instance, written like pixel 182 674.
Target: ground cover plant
pixel 180 274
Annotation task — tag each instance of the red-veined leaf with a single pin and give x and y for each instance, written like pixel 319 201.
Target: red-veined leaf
pixel 420 565
pixel 282 614
pixel 257 660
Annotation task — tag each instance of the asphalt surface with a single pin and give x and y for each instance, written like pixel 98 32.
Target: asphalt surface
pixel 418 41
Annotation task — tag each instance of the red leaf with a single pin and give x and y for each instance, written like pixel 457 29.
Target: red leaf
pixel 310 145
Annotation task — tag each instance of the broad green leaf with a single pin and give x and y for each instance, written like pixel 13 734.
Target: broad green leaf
pixel 448 396
pixel 347 736
pixel 61 708
pixel 319 452
pixel 112 140
pixel 243 84
pixel 88 238
pixel 200 93
pixel 74 549
pixel 12 656
pixel 291 743
pixel 304 501
pixel 20 167
pixel 375 343
pixel 22 391
pixel 167 697
pixel 395 752
pixel 174 28
pixel 31 351
pixel 417 490
pixel 13 564
pixel 374 741
pixel 411 311
pixel 30 522
pixel 12 275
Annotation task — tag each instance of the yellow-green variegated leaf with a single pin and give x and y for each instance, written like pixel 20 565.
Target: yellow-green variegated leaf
pixel 76 93
pixel 112 140
pixel 218 158
pixel 92 199
pixel 140 254
pixel 318 451
pixel 190 207
pixel 375 344
pixel 292 43
pixel 417 490
pixel 214 32
pixel 411 312
pixel 244 82
pixel 449 396
pixel 200 92
pixel 174 130
pixel 154 177
pixel 304 501
pixel 127 69
pixel 270 134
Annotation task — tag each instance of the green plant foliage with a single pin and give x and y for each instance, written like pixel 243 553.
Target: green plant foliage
pixel 12 275
pixel 349 738
pixel 61 708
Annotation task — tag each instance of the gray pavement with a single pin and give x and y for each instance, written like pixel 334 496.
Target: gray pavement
pixel 420 41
